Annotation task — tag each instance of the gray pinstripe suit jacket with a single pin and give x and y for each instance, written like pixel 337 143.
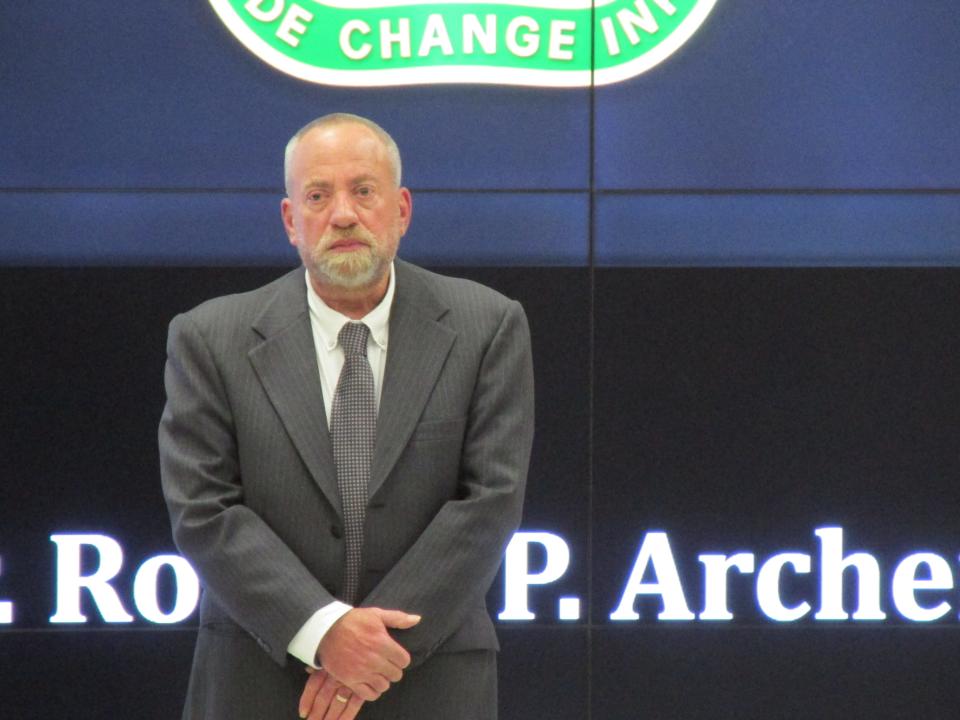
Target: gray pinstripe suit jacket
pixel 249 480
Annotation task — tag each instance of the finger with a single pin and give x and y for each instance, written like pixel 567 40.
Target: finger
pixel 375 681
pixel 339 704
pixel 379 683
pixel 365 691
pixel 325 698
pixel 392 673
pixel 395 654
pixel 389 649
pixel 397 618
pixel 310 689
pixel 353 707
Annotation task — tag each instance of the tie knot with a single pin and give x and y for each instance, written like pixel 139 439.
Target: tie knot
pixel 353 339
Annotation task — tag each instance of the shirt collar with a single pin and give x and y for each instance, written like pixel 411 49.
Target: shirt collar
pixel 329 322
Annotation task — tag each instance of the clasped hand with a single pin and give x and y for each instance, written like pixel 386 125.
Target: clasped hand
pixel 359 661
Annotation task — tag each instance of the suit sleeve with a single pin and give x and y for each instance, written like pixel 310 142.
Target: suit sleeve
pixel 448 570
pixel 247 568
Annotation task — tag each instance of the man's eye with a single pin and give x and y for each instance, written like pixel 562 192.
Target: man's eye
pixel 364 191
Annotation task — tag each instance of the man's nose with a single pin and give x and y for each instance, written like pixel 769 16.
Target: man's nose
pixel 344 214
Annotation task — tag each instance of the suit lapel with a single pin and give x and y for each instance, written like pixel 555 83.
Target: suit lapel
pixel 286 364
pixel 418 347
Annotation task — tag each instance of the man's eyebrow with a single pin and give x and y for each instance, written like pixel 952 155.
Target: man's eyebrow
pixel 365 178
pixel 326 184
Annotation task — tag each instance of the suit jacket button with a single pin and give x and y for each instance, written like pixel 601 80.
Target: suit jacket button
pixel 336 531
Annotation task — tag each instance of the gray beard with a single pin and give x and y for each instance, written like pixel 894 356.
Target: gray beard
pixel 342 275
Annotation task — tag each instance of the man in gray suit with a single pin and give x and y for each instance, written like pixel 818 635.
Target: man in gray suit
pixel 392 624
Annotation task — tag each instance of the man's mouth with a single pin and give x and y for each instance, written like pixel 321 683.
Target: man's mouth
pixel 347 244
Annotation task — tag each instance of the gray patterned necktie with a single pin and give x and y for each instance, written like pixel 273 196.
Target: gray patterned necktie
pixel 353 425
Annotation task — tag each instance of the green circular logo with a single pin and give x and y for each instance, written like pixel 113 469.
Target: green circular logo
pixel 554 43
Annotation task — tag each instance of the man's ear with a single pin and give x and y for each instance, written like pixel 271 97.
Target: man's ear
pixel 286 214
pixel 406 209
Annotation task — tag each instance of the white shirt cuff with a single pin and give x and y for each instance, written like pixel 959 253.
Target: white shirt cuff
pixel 307 640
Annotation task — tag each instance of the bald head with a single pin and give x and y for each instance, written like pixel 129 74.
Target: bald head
pixel 392 151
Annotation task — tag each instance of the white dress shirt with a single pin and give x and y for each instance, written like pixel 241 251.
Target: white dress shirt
pixel 326 324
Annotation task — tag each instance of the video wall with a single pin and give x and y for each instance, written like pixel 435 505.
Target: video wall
pixel 736 241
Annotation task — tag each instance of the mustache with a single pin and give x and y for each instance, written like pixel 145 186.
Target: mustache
pixel 349 234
